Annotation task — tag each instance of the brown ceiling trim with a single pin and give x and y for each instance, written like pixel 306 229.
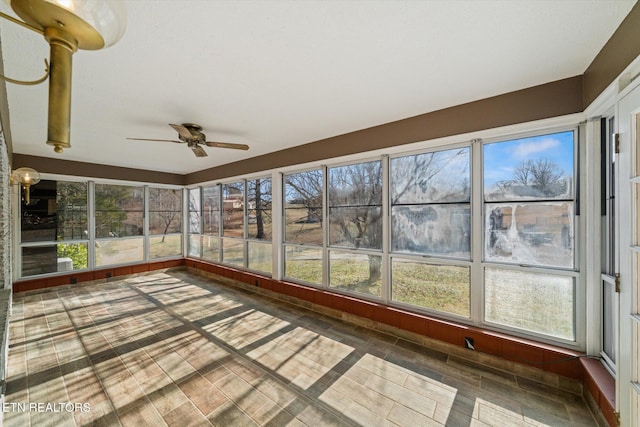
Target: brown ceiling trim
pixel 621 49
pixel 93 170
pixel 539 102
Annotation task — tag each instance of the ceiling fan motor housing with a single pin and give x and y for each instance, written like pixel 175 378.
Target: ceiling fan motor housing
pixel 196 133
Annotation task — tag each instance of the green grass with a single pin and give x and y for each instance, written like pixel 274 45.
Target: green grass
pixel 438 287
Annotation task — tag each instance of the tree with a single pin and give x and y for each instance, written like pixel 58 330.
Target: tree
pixel 259 200
pixel 109 210
pixel 355 203
pixel 165 209
pixel 542 174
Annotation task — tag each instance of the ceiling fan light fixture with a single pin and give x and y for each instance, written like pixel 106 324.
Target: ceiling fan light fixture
pixel 69 25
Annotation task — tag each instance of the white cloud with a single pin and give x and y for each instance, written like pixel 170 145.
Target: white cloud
pixel 526 149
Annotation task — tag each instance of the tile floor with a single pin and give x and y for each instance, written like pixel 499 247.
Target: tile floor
pixel 178 349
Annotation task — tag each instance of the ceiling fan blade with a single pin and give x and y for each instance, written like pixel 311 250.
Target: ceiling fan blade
pixel 157 140
pixel 199 151
pixel 227 145
pixel 182 131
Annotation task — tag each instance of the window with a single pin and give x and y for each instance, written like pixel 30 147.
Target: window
pixel 529 222
pixel 303 233
pixel 355 224
pixel 233 223
pixel 431 216
pixel 195 224
pixel 259 224
pixel 119 224
pixel 53 228
pixel 211 223
pixel 55 235
pixel 608 243
pixel 165 222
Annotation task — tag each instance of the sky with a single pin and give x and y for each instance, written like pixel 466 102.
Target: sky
pixel 501 158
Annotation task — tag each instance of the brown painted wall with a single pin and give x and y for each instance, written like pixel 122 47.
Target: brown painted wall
pixel 539 102
pixel 93 170
pixel 621 49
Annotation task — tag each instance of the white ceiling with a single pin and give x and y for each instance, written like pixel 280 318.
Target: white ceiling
pixel 275 74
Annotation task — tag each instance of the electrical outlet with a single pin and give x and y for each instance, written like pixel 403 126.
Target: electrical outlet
pixel 468 343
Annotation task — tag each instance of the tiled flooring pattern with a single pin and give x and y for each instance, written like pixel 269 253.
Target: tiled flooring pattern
pixel 176 349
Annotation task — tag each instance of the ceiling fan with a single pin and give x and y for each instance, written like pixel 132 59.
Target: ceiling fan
pixel 191 134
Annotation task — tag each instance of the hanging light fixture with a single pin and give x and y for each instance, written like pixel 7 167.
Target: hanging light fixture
pixel 68 25
pixel 26 177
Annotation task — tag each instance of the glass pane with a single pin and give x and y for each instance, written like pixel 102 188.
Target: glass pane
pixel 260 224
pixel 356 272
pixel 194 222
pixel 539 303
pixel 609 317
pixel 211 210
pixel 356 185
pixel 233 252
pixel 57 211
pixel 539 167
pixel 636 190
pixel 165 211
pixel 119 251
pixel 303 207
pixel 540 234
pixel 194 210
pixel 359 227
pixel 119 210
pixel 438 287
pixel 304 264
pixel 195 243
pixel 53 259
pixel 443 230
pixel 259 208
pixel 636 349
pixel 211 248
pixel 233 209
pixel 165 246
pixel 437 177
pixel 260 256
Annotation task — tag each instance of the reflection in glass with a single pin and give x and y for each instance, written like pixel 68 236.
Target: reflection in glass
pixel 57 211
pixel 303 207
pixel 538 233
pixel 359 227
pixel 233 209
pixel 119 210
pixel 211 248
pixel 54 258
pixel 119 251
pixel 444 288
pixel 538 303
pixel 260 256
pixel 165 246
pixel 211 210
pixel 436 177
pixel 195 246
pixel 355 272
pixel 303 264
pixel 432 229
pixel 194 210
pixel 233 252
pixel 355 205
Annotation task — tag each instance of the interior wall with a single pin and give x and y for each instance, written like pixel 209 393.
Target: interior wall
pixel 5 215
